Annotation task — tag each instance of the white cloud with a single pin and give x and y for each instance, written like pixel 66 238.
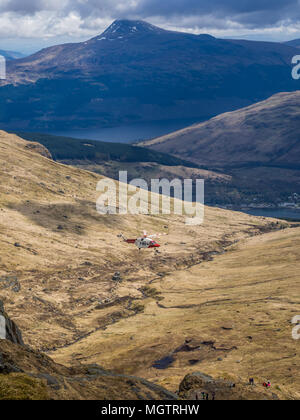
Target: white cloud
pixel 53 21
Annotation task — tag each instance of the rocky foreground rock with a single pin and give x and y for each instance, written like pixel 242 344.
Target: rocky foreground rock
pixel 198 386
pixel 26 374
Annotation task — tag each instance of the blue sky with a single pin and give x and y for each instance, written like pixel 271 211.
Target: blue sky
pixel 28 25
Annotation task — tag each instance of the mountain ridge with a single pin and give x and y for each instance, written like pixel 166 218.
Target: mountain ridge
pixel 11 55
pixel 267 132
pixel 148 75
pixel 294 43
pixel 257 146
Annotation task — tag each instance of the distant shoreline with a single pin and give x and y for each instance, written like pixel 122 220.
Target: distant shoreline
pixel 276 213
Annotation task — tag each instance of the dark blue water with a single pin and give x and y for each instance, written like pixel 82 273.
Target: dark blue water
pixel 127 133
pixel 275 213
pixel 163 363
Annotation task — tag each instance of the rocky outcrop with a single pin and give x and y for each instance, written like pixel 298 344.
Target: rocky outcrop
pixel 8 329
pixel 198 386
pixel 38 148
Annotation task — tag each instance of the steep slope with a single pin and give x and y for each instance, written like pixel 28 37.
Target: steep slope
pixel 26 374
pixel 137 72
pixel 58 256
pixel 267 133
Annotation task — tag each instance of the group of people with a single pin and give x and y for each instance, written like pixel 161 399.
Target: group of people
pixel 205 396
pixel 266 384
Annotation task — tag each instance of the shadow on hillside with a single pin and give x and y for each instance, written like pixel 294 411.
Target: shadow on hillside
pixel 66 218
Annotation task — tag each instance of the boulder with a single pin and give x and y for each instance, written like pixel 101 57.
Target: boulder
pixel 199 385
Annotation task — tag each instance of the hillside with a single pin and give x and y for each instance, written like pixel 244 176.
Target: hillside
pixel 109 159
pixel 11 55
pixel 267 133
pixel 58 265
pixel 26 374
pixel 136 72
pixel 97 152
pixel 294 43
pixel 229 317
pixel 257 147
pixel 65 254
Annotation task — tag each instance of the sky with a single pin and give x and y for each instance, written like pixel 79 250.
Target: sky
pixel 29 25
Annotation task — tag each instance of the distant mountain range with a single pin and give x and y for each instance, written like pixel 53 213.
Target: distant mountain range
pixel 136 72
pixel 294 43
pixel 11 55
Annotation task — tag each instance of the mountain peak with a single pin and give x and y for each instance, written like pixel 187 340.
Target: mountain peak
pixel 125 27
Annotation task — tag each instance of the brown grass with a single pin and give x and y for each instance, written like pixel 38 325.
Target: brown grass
pixel 65 272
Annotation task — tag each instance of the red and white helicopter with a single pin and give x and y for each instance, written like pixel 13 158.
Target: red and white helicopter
pixel 146 241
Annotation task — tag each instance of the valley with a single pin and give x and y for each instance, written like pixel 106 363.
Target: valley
pixel 48 220
pixel 149 203
pixel 229 317
pixel 83 296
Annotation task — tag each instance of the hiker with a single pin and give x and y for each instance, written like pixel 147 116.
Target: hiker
pixel 268 384
pixel 251 381
pixel 213 396
pixel 207 397
pixel 203 395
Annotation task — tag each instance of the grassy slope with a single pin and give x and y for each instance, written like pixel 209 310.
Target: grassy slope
pixel 64 273
pixel 258 147
pixel 242 302
pixel 67 253
pixel 66 148
pixel 39 378
pixel 240 186
pixel 266 133
pixel 109 158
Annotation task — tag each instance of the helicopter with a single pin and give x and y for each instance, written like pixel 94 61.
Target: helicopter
pixel 145 241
